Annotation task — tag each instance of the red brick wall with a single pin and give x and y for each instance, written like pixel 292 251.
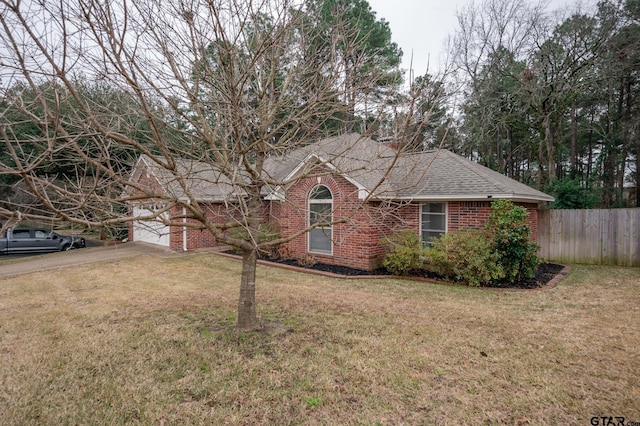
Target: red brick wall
pixel 474 214
pixel 532 218
pixel 215 212
pixel 198 237
pixel 356 241
pixel 293 217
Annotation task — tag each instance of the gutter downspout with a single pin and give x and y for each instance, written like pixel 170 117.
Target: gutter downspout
pixel 184 229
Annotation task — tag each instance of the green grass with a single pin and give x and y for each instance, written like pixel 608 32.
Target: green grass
pixel 152 341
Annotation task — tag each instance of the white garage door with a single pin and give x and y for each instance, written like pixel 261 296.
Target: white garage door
pixel 149 231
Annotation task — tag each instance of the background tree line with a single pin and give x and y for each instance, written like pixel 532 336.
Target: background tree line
pixel 552 99
pixel 549 98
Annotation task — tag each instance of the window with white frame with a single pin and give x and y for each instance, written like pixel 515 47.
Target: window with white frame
pixel 320 214
pixel 433 221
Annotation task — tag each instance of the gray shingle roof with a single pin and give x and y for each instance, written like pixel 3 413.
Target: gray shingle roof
pixel 203 181
pixel 360 159
pixel 442 174
pixel 373 167
pixel 435 175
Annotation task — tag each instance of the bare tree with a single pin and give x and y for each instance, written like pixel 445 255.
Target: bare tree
pixel 491 26
pixel 227 85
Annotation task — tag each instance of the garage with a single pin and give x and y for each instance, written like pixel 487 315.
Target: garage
pixel 150 231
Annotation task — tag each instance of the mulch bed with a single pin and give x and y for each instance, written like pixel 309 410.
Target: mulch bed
pixel 544 274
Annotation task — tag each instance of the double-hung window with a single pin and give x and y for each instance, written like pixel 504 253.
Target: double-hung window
pixel 320 214
pixel 433 221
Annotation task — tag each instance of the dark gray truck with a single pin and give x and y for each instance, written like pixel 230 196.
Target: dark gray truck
pixel 34 240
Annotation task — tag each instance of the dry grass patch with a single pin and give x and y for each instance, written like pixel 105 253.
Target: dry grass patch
pixel 152 341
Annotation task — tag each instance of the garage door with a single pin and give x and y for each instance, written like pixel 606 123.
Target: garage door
pixel 149 231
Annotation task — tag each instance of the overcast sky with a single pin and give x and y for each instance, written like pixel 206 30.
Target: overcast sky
pixel 422 26
pixel 419 26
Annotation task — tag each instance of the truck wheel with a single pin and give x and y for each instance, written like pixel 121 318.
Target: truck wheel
pixel 67 247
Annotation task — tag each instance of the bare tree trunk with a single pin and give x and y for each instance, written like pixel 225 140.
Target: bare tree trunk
pixel 541 162
pixel 510 166
pixel 637 143
pixel 609 180
pixel 548 139
pixel 620 175
pixel 574 140
pixel 590 159
pixel 247 319
pixel 637 171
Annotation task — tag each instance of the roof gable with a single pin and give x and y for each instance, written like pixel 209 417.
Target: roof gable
pixel 314 161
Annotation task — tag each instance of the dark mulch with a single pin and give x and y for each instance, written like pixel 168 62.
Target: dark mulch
pixel 545 273
pixel 339 270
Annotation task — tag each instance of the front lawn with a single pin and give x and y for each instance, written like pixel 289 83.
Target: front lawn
pixel 152 341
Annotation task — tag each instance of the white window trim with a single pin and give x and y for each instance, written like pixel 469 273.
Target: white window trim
pixel 446 217
pixel 322 201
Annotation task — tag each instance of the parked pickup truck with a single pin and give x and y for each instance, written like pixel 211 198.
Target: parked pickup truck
pixel 30 240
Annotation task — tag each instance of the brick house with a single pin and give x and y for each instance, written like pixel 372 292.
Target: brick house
pixel 355 191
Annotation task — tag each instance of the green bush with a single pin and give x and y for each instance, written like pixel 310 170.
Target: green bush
pixel 404 252
pixel 502 252
pixel 512 240
pixel 573 194
pixel 466 255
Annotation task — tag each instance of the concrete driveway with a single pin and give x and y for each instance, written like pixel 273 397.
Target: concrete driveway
pixel 11 266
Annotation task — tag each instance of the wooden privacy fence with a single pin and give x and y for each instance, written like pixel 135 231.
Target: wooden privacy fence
pixel 610 237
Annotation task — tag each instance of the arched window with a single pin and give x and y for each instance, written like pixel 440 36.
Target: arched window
pixel 320 214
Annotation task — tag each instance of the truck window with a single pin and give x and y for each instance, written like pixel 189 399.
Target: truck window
pixel 21 233
pixel 40 233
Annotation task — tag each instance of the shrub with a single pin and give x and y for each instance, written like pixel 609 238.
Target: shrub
pixel 512 240
pixel 466 255
pixel 573 194
pixel 308 260
pixel 502 252
pixel 404 252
